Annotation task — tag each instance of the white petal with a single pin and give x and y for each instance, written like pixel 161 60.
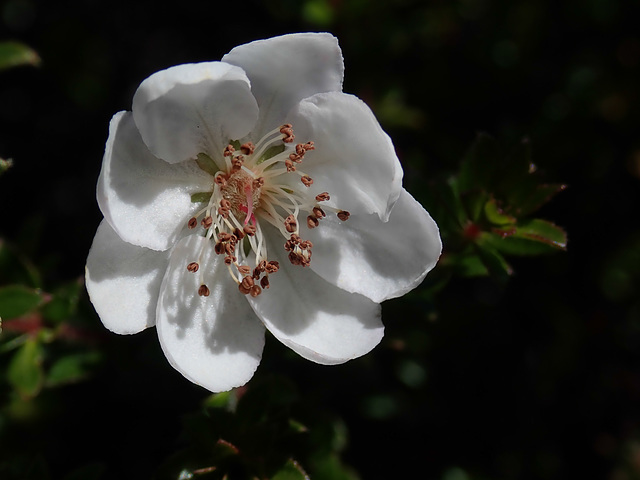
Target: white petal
pixel 354 159
pixel 214 341
pixel 380 260
pixel 194 108
pixel 284 70
pixel 123 281
pixel 146 200
pixel 317 320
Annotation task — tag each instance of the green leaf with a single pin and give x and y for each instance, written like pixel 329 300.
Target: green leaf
pixel 531 237
pixel 291 471
pixel 17 300
pixel 206 163
pixel 72 368
pixel 63 303
pixel 271 152
pixel 493 260
pixel 494 214
pixel 13 54
pixel 5 165
pixel 543 231
pixel 524 202
pixel 25 372
pixel 201 197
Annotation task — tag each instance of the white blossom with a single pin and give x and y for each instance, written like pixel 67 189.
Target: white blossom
pixel 252 193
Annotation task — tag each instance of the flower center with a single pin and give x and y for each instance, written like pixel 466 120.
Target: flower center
pixel 255 186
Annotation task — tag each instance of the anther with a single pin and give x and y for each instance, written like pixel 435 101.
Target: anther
pixel 219 248
pixel 230 259
pixel 247 148
pixel 287 131
pixel 193 267
pixel 272 267
pixel 237 163
pixel 193 223
pixel 312 222
pixel 221 180
pixel 322 197
pixel 207 222
pixel 203 291
pixel 290 224
pixel 257 183
pixel 290 166
pixel 238 233
pixel 264 282
pixel 246 284
pixel 250 229
pixel 255 291
pixel 318 212
pixel 343 215
pixel 228 150
pixel 307 180
pixel 244 269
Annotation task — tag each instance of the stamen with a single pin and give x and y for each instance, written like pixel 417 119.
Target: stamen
pixel 290 224
pixel 193 267
pixel 203 291
pixel 343 215
pixel 312 222
pixel 322 197
pixel 193 223
pixel 307 180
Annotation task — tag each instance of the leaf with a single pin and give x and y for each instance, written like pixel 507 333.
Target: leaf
pixel 17 300
pixel 493 260
pixel 5 164
pixel 291 471
pixel 531 237
pixel 72 368
pixel 25 372
pixel 13 54
pixel 495 215
pixel 524 202
pixel 480 165
pixel 63 303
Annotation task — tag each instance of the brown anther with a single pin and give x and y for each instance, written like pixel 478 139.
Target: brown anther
pixel 296 157
pixel 230 259
pixel 255 291
pixel 233 240
pixel 247 281
pixel 193 267
pixel 272 267
pixel 228 150
pixel 312 222
pixel 290 166
pixel 224 236
pixel 203 291
pixel 219 248
pixel 290 224
pixel 307 180
pixel 243 289
pixel 244 269
pixel 306 245
pixel 318 212
pixel 309 146
pixel 322 197
pixel 220 180
pixel 294 259
pixel 223 211
pixel 343 215
pixel 258 183
pixel 264 282
pixel 247 148
pixel 207 221
pixel 256 273
pixel 287 131
pixel 237 163
pixel 229 248
pixel 225 204
pixel 193 222
pixel 238 233
pixel 300 150
pixel 250 229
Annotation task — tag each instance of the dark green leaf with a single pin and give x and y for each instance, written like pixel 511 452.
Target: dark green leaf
pixel 524 202
pixel 291 471
pixel 480 165
pixel 200 197
pixel 72 368
pixel 63 303
pixel 17 300
pixel 25 372
pixel 494 214
pixel 493 260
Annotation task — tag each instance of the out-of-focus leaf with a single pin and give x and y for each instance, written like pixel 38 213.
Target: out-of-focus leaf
pixel 329 467
pixel 63 303
pixel 93 471
pixel 5 164
pixel 531 237
pixel 72 368
pixel 480 165
pixel 291 471
pixel 25 372
pixel 496 265
pixel 525 202
pixel 206 163
pixel 17 300
pixel 13 54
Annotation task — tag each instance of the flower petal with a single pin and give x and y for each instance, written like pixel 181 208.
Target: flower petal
pixel 284 70
pixel 214 341
pixel 354 159
pixel 123 281
pixel 379 260
pixel 146 200
pixel 319 321
pixel 194 108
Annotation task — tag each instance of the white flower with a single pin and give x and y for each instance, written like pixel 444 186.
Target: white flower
pixel 212 212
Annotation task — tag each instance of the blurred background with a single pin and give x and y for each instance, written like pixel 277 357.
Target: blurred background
pixel 537 376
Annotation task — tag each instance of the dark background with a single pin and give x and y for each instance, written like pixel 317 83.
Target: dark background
pixel 536 379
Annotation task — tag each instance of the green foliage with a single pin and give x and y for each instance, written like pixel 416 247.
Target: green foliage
pixel 14 54
pixel 260 431
pixel 484 211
